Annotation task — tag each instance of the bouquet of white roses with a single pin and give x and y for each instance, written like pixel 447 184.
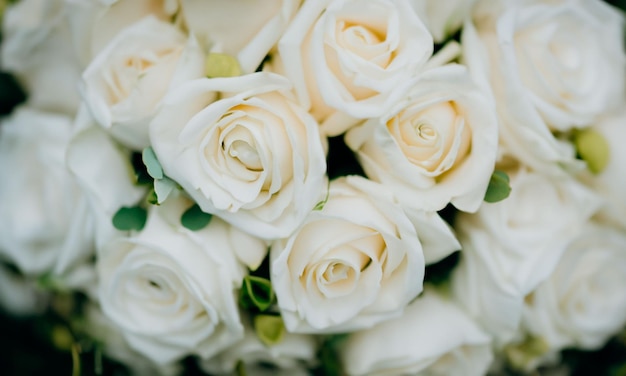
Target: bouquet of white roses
pixel 334 186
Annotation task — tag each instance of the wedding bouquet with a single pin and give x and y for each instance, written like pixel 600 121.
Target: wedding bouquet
pixel 322 186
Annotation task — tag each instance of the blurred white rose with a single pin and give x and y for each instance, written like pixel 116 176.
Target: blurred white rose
pixel 610 182
pixel 245 29
pixel 552 65
pixel 37 49
pixel 46 225
pixel 103 171
pixel 172 290
pixel 443 18
pixel 124 84
pixel 350 58
pixel 583 303
pixel 253 157
pixel 114 346
pixel 432 337
pixel 511 246
pixel 94 23
pixel 290 356
pixel 356 262
pixel 435 147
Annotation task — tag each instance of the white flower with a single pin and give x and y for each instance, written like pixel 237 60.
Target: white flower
pixel 350 58
pixel 114 346
pixel 253 157
pixel 610 182
pixel 511 246
pixel 552 66
pixel 172 290
pixel 437 146
pixel 45 225
pixel 124 84
pixel 37 48
pixel 244 29
pixel 288 357
pixel 432 337
pixel 355 263
pixel 583 303
pixel 443 17
pixel 94 23
pixel 101 168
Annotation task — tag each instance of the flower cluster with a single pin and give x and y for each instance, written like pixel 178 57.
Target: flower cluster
pixel 410 186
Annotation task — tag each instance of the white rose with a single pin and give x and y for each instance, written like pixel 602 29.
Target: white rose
pixel 443 17
pixel 355 263
pixel 287 357
pixel 350 58
pixel 582 304
pixel 437 146
pixel 172 290
pixel 124 84
pixel 46 225
pixel 102 169
pixel 94 23
pixel 114 346
pixel 552 66
pixel 432 337
pixel 610 182
pixel 253 157
pixel 511 246
pixel 37 49
pixel 245 29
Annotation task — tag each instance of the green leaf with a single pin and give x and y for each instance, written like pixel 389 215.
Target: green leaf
pixel 256 292
pixel 130 218
pixel 499 187
pixel 163 188
pixel 328 354
pixel 593 148
pixel 195 219
pixel 240 368
pixel 221 65
pixel 269 328
pixel 152 163
pixel 151 197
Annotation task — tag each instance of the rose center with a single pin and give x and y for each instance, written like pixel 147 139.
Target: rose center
pixel 337 272
pixel 246 154
pixel 424 131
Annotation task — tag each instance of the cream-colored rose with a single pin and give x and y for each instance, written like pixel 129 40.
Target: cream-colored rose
pixel 552 65
pixel 37 49
pixel 432 337
pixel 582 304
pixel 443 18
pixel 435 147
pixel 610 182
pixel 245 29
pixel 290 356
pixel 510 247
pixel 173 291
pixel 253 157
pixel 356 262
pixel 46 225
pixel 125 83
pixel 351 58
